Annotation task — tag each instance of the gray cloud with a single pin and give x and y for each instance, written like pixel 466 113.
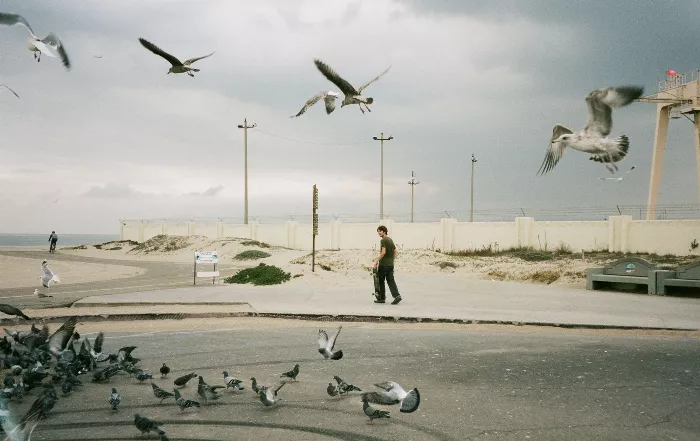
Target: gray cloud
pixel 489 78
pixel 209 192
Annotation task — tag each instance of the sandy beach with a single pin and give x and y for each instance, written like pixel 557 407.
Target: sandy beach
pixel 339 267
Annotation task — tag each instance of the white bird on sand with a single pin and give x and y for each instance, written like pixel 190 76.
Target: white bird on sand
pixel 593 138
pixel 8 88
pixel 41 295
pixel 177 65
pixel 329 98
pixel 352 95
pixel 620 178
pixel 48 276
pixel 35 44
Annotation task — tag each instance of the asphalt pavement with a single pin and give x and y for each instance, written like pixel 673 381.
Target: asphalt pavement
pixel 476 383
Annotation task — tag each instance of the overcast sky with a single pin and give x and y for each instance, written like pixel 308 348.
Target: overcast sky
pixel 118 138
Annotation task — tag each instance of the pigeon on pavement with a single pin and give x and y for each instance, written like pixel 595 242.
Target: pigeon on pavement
pixel 373 413
pixel 291 375
pixel 269 396
pixel 146 425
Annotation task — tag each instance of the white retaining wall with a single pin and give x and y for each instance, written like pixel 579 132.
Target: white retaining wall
pixel 617 234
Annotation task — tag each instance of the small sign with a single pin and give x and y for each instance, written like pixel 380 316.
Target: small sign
pixel 630 268
pixel 206 257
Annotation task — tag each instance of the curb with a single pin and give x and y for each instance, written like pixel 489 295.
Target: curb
pixel 137 304
pixel 107 316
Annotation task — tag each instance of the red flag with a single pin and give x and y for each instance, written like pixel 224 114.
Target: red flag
pixel 671 73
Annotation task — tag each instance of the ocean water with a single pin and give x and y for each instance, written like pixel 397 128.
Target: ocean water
pixel 26 240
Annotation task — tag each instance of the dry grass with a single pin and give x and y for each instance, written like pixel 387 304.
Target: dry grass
pixel 546 277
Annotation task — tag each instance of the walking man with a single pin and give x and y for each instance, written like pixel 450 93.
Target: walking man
pixel 385 267
pixel 53 239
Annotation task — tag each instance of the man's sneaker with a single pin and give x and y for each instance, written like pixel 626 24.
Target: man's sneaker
pixel 379 301
pixel 396 300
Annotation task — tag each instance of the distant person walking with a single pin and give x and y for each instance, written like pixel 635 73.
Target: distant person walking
pixel 385 267
pixel 53 239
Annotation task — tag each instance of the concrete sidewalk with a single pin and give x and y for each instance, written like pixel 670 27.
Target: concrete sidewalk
pixel 425 297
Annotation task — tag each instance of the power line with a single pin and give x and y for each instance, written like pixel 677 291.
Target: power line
pixel 308 142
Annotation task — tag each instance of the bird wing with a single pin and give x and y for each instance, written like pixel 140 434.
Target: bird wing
pixel 313 100
pixel 158 51
pixel 52 41
pixel 555 150
pixel 322 339
pixel 8 88
pixel 13 19
pixel 336 79
pixel 380 398
pixel 372 81
pixel 276 387
pixel 600 104
pixel 9 310
pixel 192 60
pixel 98 342
pixel 334 337
pixel 61 337
pixel 411 401
pixel 330 103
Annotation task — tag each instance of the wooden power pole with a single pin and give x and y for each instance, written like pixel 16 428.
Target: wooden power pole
pixel 245 128
pixel 412 183
pixel 381 140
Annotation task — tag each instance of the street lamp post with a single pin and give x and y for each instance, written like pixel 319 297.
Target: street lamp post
pixel 245 128
pixel 381 139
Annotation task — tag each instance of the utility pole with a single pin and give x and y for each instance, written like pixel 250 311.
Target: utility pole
pixel 471 210
pixel 381 139
pixel 412 183
pixel 245 128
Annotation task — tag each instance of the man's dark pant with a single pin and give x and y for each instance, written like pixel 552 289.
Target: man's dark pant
pixel 53 246
pixel 387 273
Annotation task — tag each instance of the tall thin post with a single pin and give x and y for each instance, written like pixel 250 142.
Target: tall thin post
pixel 245 128
pixel 381 140
pixel 471 208
pixel 412 183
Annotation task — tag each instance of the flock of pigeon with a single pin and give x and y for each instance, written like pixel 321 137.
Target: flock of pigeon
pixel 593 139
pixel 42 362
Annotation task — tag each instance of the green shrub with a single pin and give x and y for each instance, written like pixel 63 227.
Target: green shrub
pixel 260 275
pixel 545 276
pixel 255 243
pixel 251 255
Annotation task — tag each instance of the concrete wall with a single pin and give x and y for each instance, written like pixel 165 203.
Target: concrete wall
pixel 617 234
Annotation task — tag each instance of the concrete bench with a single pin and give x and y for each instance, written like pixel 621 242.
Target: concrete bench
pixel 685 280
pixel 629 270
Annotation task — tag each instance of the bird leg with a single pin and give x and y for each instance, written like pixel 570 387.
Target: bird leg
pixel 367 107
pixel 370 421
pixel 360 104
pixel 190 74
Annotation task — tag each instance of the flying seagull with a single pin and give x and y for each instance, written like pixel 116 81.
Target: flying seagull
pixel 352 95
pixel 177 65
pixel 329 97
pixel 35 44
pixel 620 178
pixel 593 139
pixel 8 88
pixel 49 276
pixel 325 345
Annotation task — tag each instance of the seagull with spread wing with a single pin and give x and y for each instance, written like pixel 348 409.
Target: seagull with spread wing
pixel 593 139
pixel 326 345
pixel 35 44
pixel 328 97
pixel 352 95
pixel 48 275
pixel 177 65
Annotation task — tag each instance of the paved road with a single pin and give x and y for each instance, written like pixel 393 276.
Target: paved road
pixel 158 275
pixel 476 383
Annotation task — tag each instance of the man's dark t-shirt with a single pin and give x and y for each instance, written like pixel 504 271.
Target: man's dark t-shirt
pixel 388 244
